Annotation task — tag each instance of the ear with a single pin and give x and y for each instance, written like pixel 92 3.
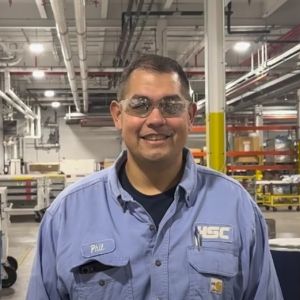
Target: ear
pixel 192 110
pixel 116 113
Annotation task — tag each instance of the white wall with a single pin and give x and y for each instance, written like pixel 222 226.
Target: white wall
pixel 75 142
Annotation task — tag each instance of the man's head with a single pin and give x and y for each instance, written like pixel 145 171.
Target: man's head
pixel 157 63
pixel 154 110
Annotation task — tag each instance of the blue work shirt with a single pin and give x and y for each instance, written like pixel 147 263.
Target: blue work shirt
pixel 96 242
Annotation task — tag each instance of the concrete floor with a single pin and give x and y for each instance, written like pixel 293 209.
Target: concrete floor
pixel 23 232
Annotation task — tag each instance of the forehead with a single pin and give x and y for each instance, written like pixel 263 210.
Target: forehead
pixel 152 82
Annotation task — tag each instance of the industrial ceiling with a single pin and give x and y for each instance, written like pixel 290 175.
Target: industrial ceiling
pixel 88 43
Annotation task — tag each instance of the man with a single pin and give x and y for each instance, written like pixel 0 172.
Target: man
pixel 155 225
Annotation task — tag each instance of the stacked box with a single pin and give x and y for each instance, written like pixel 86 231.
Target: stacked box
pixel 246 143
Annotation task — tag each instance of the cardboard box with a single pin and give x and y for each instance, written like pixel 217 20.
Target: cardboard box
pixel 246 143
pixel 43 168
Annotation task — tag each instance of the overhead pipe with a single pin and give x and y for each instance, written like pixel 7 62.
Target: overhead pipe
pixel 15 105
pixel 142 27
pixel 131 32
pixel 229 12
pixel 292 36
pixel 270 64
pixel 14 97
pixel 10 59
pixel 63 36
pixel 117 61
pixel 10 62
pixel 80 16
pixel 34 128
pixel 258 74
pixel 165 13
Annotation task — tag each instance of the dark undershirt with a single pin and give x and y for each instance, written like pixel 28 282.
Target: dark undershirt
pixel 155 205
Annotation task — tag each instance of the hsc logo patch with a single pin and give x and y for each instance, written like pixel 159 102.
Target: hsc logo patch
pixel 215 232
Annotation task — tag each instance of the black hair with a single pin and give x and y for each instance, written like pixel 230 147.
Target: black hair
pixel 156 63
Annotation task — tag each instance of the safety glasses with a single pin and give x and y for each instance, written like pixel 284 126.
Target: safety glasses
pixel 141 106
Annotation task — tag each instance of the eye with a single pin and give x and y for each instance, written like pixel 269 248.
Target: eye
pixel 136 102
pixel 172 105
pixel 139 104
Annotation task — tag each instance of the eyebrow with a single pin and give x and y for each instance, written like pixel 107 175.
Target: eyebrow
pixel 177 97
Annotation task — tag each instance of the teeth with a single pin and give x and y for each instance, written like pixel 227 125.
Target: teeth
pixel 155 137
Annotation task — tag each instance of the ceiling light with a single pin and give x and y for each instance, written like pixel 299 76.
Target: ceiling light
pixel 55 104
pixel 49 93
pixel 241 46
pixel 38 74
pixel 36 48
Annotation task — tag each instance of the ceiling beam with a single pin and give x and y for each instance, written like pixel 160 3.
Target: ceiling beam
pixel 41 7
pixel 270 6
pixel 104 9
pixel 168 4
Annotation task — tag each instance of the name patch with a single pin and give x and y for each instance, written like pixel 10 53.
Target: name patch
pixel 98 248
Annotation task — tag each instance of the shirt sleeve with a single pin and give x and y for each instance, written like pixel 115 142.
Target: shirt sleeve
pixel 263 282
pixel 43 280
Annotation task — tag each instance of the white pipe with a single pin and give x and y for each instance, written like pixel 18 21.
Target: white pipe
pixel 15 105
pixel 62 31
pixel 266 52
pixel 15 149
pixel 28 111
pixel 11 62
pixel 270 64
pixel 5 152
pixel 263 55
pixel 80 16
pixel 38 123
pixel 15 98
pixel 32 127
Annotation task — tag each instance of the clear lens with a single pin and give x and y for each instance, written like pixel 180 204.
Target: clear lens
pixel 171 106
pixel 138 106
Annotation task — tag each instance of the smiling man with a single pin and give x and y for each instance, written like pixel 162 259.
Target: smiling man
pixel 155 225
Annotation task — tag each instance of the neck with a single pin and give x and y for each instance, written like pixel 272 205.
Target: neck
pixel 153 178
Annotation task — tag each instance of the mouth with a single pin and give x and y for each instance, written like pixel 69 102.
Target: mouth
pixel 156 137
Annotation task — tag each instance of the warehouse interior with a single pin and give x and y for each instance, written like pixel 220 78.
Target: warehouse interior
pixel 60 62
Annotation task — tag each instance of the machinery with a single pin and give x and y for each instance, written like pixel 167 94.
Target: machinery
pixel 278 193
pixel 9 264
pixel 26 194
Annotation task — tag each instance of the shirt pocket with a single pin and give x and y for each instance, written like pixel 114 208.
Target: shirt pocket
pixel 211 274
pixel 106 276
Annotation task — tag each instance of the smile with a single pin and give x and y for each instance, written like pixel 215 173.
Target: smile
pixel 155 137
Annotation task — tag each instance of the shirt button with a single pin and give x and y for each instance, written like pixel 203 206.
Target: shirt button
pixel 158 263
pixel 152 227
pixel 102 282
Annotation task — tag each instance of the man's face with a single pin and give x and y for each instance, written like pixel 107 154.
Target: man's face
pixel 153 138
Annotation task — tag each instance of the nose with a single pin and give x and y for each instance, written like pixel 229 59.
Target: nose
pixel 155 117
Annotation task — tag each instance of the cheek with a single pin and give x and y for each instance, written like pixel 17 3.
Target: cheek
pixel 130 126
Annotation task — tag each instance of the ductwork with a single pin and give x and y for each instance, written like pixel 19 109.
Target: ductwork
pixel 63 35
pixel 17 100
pixel 28 112
pixel 80 15
pixel 236 85
pixel 117 61
pixel 11 59
pixel 15 105
pixel 10 62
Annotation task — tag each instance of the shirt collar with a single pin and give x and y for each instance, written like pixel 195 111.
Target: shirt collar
pixel 188 182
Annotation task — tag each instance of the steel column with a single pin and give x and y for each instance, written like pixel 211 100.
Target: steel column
pixel 215 84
